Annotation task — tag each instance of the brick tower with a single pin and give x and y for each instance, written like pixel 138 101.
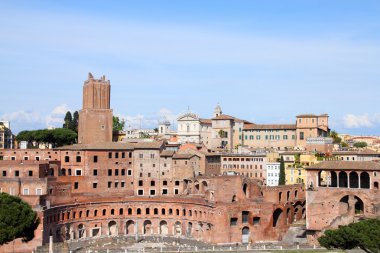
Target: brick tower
pixel 95 118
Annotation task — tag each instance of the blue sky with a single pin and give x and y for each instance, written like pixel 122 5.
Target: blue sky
pixel 263 61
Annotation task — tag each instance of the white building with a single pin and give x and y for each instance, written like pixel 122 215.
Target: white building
pixel 273 174
pixel 193 129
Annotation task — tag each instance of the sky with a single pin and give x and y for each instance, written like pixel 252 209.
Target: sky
pixel 262 61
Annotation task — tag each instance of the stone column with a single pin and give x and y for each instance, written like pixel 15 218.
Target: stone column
pixel 348 180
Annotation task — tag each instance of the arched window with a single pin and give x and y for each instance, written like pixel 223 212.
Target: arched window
pixel 364 180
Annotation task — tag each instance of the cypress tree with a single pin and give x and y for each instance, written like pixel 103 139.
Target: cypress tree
pixel 281 180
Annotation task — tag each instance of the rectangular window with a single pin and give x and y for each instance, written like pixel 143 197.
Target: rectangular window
pixel 140 192
pixel 164 191
pixel 129 172
pixel 116 155
pixel 95 172
pixel 109 172
pixel 152 192
pixel 152 183
pixel 94 185
pixel 30 173
pixel 233 221
pixel 38 191
pixel 176 191
pixel 176 183
pixel 245 216
pixel 122 154
pixel 95 158
pixel 67 159
pixel 109 155
pixel 116 172
pixel 140 183
pixel 123 172
pixel 116 184
pixel 122 184
pixel 79 159
pixel 26 191
pixel 301 136
pixel 17 173
pixel 4 173
pixel 141 156
pixel 109 184
pixel 78 172
pixel 76 185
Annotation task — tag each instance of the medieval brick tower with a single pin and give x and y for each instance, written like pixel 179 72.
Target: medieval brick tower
pixel 95 118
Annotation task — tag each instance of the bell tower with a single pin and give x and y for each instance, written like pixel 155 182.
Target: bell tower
pixel 95 118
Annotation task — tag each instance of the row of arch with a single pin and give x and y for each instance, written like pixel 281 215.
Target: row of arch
pixel 69 215
pixel 344 179
pixel 133 227
pixel 292 214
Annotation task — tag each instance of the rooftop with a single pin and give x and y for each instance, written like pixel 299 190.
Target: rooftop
pixel 345 165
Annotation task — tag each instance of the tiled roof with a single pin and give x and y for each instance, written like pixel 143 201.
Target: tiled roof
pixel 311 115
pixel 345 165
pixel 183 156
pixel 270 127
pixel 205 121
pixel 167 153
pixel 224 117
pixel 357 152
pixel 148 145
pixel 99 146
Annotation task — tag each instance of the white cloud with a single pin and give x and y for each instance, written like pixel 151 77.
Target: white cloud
pixel 22 116
pixel 360 121
pixel 60 109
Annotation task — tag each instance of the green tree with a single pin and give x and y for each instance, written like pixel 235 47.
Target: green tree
pixel 118 124
pixel 360 144
pixel 281 180
pixel 364 234
pixel 74 122
pixel 335 137
pixel 58 137
pixel 17 219
pixel 344 145
pixel 68 120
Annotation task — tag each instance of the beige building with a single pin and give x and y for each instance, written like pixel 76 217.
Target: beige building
pixel 6 137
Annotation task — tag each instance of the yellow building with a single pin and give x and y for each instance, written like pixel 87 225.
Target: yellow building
pixel 294 166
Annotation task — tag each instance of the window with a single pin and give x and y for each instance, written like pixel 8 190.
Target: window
pixel 176 183
pixel 17 173
pixel 94 185
pixel 152 156
pixel 95 158
pixel 67 159
pixel 95 172
pixel 152 192
pixel 122 184
pixel 256 220
pixel 38 191
pixel 165 182
pixel 116 172
pixel 152 183
pixel 4 173
pixel 302 135
pixel 78 159
pixel 109 184
pixel 129 173
pixel 116 155
pixel 76 185
pixel 140 192
pixel 116 184
pixel 176 191
pixel 123 172
pixel 245 216
pixel 26 191
pixel 233 221
pixel 109 172
pixel 140 183
pixel 109 155
pixel 141 156
pixel 164 191
pixel 78 172
pixel 30 172
pixel 122 154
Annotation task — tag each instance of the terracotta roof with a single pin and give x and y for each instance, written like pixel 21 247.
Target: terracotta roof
pixel 270 127
pixel 224 117
pixel 344 165
pixel 356 152
pixel 311 115
pixel 167 153
pixel 148 145
pixel 183 156
pixel 99 146
pixel 205 121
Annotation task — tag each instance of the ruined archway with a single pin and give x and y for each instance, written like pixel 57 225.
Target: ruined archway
pixel 177 229
pixel 129 227
pixel 112 228
pixel 245 186
pixel 189 229
pixel 334 179
pixel 344 204
pixel 359 205
pixel 245 234
pixel 277 216
pixel 148 227
pixel 81 231
pixel 164 228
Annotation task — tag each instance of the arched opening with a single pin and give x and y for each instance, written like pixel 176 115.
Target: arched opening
pixel 112 228
pixel 63 172
pixel 279 196
pixel 163 211
pixel 287 196
pixel 164 228
pixel 147 211
pixel 51 172
pixel 343 183
pixel 359 206
pixel 334 179
pixel 189 229
pixel 177 228
pixel 376 185
pixel 288 216
pixel 121 211
pixel 354 180
pixel 129 211
pixel 322 178
pixel 155 211
pixel 196 188
pixel 130 227
pixel 277 216
pixel 104 212
pixel 343 204
pixel 364 180
pixel 138 211
pixel 295 194
pixel 204 186
pixel 148 227
pixel 303 213
pixel 245 234
pixel 81 231
pixel 234 198
pixel 245 186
